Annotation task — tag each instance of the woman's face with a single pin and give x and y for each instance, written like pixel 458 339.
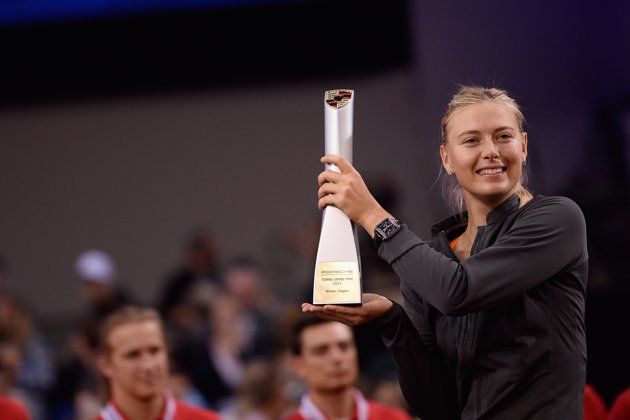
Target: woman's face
pixel 485 150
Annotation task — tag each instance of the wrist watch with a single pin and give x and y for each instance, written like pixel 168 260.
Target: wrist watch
pixel 385 230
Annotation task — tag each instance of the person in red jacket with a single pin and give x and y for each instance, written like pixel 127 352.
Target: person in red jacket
pixel 12 410
pixel 620 409
pixel 134 362
pixel 325 358
pixel 594 405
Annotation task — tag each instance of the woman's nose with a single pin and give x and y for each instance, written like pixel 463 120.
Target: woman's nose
pixel 490 149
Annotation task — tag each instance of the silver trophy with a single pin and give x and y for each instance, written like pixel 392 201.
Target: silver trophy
pixel 337 277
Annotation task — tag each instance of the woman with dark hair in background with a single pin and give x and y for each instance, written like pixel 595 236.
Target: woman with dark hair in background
pixel 493 325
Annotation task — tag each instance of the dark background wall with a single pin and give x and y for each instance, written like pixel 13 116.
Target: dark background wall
pixel 122 133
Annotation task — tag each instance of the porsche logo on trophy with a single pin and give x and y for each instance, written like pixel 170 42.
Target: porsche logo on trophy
pixel 337 277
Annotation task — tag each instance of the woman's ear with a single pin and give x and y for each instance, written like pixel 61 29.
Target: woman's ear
pixel 446 162
pixel 524 146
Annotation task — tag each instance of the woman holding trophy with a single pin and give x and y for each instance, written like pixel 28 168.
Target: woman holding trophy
pixel 493 325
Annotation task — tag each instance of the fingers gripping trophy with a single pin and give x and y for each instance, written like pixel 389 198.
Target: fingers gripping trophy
pixel 337 278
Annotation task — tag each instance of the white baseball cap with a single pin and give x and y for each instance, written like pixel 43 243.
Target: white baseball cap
pixel 95 266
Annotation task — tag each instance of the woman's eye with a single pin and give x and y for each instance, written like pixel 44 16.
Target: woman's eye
pixel 505 136
pixel 470 140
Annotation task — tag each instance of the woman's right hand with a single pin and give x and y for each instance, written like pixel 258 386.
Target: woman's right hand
pixel 373 306
pixel 347 191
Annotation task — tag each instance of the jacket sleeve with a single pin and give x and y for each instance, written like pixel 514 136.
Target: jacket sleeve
pixel 547 236
pixel 422 373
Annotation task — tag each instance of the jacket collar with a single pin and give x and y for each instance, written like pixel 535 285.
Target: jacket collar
pixel 503 209
pixel 112 412
pixel 457 222
pixel 310 411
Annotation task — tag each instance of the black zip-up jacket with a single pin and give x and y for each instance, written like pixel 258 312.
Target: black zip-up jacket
pixel 501 334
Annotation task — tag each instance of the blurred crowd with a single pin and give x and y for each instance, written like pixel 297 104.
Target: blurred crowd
pixel 226 324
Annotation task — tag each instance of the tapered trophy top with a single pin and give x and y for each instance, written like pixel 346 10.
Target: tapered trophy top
pixel 338 98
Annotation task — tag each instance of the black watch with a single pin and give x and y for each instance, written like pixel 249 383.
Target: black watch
pixel 385 230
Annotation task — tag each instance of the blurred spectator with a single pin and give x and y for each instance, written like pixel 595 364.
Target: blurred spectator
pixel 213 362
pixel 97 272
pixel 289 256
pixel 261 396
pixel 78 384
pixel 133 359
pixel 183 389
pixel 25 359
pixel 242 327
pixel 620 409
pixel 325 357
pixel 258 310
pixel 77 378
pixel 10 364
pixel 594 405
pixel 12 410
pixel 191 287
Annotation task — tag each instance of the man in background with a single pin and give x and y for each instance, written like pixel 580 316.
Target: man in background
pixel 133 358
pixel 325 358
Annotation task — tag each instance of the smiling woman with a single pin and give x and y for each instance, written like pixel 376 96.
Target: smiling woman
pixel 493 325
pixel 503 121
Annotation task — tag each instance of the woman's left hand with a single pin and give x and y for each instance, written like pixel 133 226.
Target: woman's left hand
pixel 348 192
pixel 373 306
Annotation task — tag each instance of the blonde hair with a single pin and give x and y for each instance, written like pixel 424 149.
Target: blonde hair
pixel 123 316
pixel 471 95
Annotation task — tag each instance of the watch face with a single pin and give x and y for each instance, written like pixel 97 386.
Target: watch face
pixel 387 227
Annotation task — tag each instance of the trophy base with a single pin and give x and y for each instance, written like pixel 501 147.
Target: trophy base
pixel 337 283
